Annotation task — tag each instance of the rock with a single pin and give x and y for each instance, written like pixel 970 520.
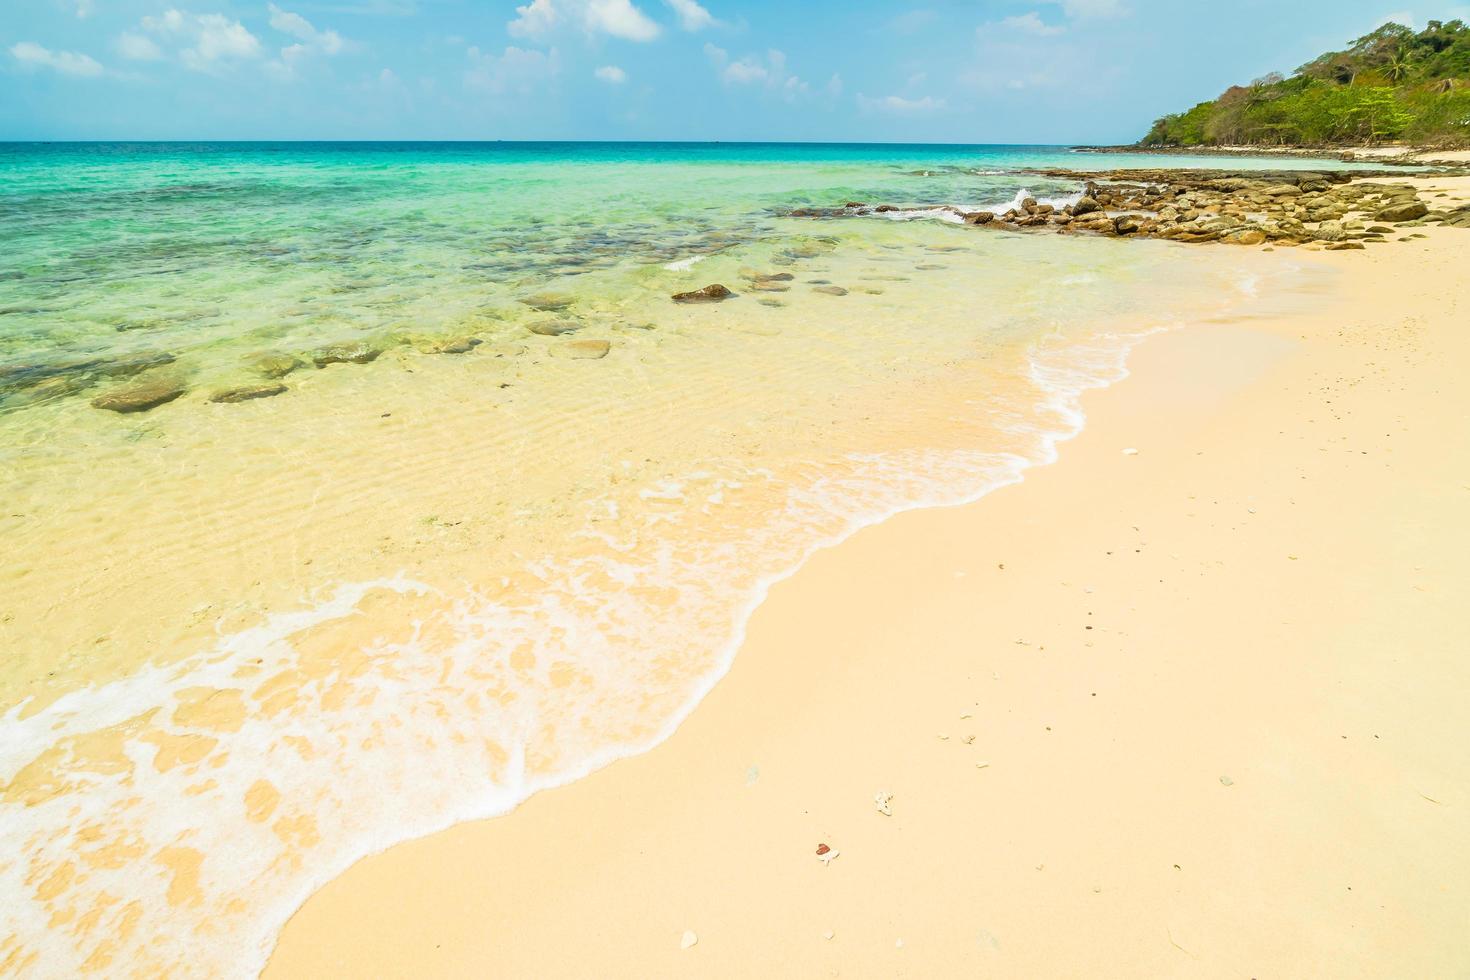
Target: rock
pixel 1329 231
pixel 131 364
pixel 713 293
pixel 1282 190
pixel 247 393
pixel 1245 236
pixel 979 217
pixel 458 345
pixel 582 350
pixel 555 328
pixel 769 287
pixel 270 364
pixel 1086 205
pixel 885 208
pixel 355 352
pixel 768 276
pixel 830 290
pixel 1402 212
pixel 1127 224
pixel 142 394
pixel 548 302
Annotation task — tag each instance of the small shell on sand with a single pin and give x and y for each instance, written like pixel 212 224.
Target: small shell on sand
pixel 884 802
pixel 1130 451
pixel 688 940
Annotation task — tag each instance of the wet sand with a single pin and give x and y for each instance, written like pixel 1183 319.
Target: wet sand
pixel 1191 711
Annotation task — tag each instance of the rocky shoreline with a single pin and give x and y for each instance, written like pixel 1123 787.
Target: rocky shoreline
pixel 1319 209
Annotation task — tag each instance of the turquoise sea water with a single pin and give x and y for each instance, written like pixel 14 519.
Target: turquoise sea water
pixel 205 250
pixel 248 643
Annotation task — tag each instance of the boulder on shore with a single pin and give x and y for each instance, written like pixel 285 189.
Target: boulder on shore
pixel 1407 211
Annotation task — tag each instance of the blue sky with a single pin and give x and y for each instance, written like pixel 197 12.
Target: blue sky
pixel 1012 71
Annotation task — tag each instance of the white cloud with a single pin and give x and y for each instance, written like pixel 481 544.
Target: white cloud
pixel 692 17
pixel 309 41
pixel 1031 23
pixel 767 71
pixel 84 8
pixel 33 55
pixel 899 105
pixel 744 72
pixel 611 74
pixel 535 19
pixel 618 18
pixel 137 47
pixel 515 70
pixel 209 42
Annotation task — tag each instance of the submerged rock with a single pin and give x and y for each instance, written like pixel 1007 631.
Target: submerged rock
pixel 246 393
pixel 713 293
pixel 270 364
pixel 555 328
pixel 830 290
pixel 457 345
pixel 585 350
pixel 548 302
pixel 356 352
pixel 142 394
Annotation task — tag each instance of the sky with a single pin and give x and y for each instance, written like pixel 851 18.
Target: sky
pixel 954 71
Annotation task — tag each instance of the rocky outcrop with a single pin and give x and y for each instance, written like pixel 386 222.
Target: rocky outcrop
pixel 1252 208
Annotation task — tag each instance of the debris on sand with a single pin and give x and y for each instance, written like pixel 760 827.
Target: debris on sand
pixel 689 939
pixel 884 802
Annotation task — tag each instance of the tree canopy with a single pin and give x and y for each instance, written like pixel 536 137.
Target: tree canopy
pixel 1392 84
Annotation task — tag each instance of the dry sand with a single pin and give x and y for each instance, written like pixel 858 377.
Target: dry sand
pixel 1197 711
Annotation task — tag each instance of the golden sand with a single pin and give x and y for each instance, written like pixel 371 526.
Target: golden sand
pixel 1194 710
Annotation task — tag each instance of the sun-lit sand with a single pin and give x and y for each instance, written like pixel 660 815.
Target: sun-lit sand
pixel 1187 703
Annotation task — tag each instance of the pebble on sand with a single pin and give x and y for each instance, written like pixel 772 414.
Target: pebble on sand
pixel 1130 451
pixel 688 939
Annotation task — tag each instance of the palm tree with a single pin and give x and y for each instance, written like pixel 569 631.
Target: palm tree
pixel 1397 69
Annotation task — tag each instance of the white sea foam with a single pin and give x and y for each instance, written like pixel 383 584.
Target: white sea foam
pixel 685 264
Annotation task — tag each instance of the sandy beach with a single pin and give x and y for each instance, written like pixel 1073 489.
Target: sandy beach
pixel 1187 703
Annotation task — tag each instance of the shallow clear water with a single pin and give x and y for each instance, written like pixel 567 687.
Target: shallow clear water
pixel 249 643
